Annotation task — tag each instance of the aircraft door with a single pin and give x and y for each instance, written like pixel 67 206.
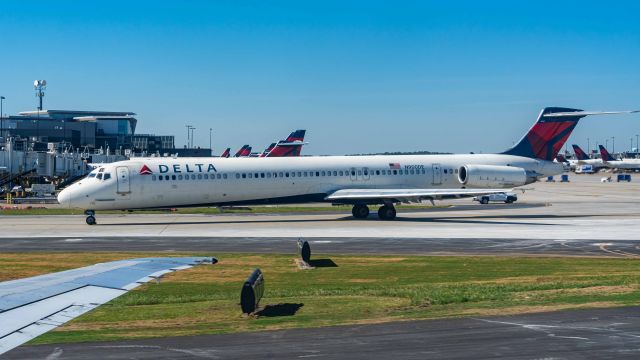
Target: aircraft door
pixel 366 174
pixel 437 174
pixel 124 185
pixel 352 174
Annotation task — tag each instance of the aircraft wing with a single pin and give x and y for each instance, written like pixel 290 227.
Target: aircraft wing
pixel 408 195
pixel 32 306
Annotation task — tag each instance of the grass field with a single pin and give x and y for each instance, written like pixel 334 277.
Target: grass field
pixel 341 290
pixel 40 210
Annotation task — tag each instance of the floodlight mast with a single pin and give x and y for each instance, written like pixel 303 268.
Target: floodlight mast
pixel 40 86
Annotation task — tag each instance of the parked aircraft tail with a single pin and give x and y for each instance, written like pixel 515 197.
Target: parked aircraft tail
pixel 292 146
pixel 580 154
pixel 605 154
pixel 226 153
pixel 244 151
pixel 268 150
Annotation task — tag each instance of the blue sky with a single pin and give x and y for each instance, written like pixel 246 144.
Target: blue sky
pixel 360 76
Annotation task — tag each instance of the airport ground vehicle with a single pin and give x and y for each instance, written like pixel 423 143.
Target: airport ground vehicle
pixel 585 169
pixel 506 198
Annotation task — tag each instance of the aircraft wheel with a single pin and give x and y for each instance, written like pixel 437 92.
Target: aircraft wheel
pixel 387 212
pixel 484 200
pixel 91 220
pixel 360 211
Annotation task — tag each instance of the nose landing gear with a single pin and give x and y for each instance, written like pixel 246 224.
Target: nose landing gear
pixel 91 218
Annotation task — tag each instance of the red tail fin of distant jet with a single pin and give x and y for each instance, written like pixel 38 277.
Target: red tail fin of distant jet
pixel 560 158
pixel 226 153
pixel 244 151
pixel 580 155
pixel 268 150
pixel 292 146
pixel 605 154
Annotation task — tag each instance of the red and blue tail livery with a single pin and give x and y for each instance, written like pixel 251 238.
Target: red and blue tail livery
pixel 297 135
pixel 244 151
pixel 605 154
pixel 580 154
pixel 268 150
pixel 547 136
pixel 226 153
pixel 292 146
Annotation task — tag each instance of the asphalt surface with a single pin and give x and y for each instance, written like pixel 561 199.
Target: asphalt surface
pixel 578 334
pixel 353 245
pixel 582 218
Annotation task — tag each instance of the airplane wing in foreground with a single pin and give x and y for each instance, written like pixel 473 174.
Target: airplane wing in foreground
pixel 407 195
pixel 32 306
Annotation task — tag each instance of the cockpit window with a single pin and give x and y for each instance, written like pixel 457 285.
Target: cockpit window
pixel 99 176
pixel 91 175
pixel 107 176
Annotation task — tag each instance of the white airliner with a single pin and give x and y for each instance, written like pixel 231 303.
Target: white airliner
pixel 581 158
pixel 622 164
pixel 355 180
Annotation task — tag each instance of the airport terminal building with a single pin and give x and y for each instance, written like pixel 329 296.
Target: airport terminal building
pixel 59 143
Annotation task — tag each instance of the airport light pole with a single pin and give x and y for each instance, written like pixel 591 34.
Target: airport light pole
pixel 613 144
pixel 637 142
pixel 2 98
pixel 588 147
pixel 210 149
pixel 192 128
pixel 188 136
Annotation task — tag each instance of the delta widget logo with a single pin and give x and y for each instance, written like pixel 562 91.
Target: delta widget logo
pixel 145 170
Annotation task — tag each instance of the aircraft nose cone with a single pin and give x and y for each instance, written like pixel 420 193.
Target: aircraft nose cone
pixel 64 198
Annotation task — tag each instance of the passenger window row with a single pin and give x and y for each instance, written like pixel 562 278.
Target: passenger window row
pixel 189 177
pixel 292 174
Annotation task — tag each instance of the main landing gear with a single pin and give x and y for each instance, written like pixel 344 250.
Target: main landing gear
pixel 360 211
pixel 91 217
pixel 386 212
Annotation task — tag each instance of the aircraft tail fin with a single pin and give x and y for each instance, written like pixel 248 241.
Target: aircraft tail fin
pixel 547 136
pixel 268 150
pixel 226 153
pixel 243 152
pixel 552 129
pixel 604 153
pixel 292 146
pixel 297 135
pixel 580 154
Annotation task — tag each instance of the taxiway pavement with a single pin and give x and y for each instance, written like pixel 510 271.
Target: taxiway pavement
pixel 576 334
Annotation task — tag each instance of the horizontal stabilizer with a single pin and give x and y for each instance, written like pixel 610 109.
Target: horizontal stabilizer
pixel 587 113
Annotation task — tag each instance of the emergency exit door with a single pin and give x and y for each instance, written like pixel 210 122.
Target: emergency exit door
pixel 437 174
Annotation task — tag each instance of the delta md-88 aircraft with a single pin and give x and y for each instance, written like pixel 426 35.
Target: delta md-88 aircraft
pixel 360 181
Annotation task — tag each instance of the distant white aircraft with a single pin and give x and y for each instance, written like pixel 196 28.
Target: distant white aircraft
pixel 360 181
pixel 32 306
pixel 581 158
pixel 611 162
